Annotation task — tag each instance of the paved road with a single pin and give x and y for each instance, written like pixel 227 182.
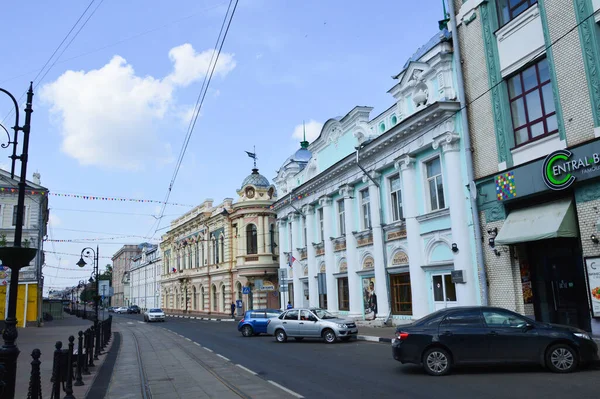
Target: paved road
pixel 363 369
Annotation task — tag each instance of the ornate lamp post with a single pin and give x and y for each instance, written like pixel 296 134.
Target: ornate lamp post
pixel 15 257
pixel 90 253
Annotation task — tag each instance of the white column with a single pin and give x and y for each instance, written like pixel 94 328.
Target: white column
pixel 354 286
pixel 283 259
pixel 456 192
pixel 419 287
pixel 383 305
pixel 313 287
pixel 260 231
pixel 332 295
pixel 267 228
pixel 297 266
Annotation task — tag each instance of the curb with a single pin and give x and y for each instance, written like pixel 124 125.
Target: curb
pixel 374 339
pixel 197 318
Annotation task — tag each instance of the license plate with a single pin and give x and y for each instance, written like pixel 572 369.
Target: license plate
pixel 355 331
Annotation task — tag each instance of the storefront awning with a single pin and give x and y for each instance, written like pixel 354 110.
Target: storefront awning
pixel 550 220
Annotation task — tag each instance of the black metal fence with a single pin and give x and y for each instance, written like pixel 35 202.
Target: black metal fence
pixel 72 362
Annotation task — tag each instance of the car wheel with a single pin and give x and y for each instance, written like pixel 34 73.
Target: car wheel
pixel 247 331
pixel 329 336
pixel 436 361
pixel 299 338
pixel 280 336
pixel 561 358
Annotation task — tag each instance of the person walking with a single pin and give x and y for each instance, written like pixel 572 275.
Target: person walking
pixel 289 305
pixel 232 310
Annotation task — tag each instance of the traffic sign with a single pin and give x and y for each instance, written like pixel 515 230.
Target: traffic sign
pixel 245 290
pixel 282 274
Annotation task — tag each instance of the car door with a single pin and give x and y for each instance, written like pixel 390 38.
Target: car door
pixel 512 337
pixel 464 333
pixel 290 322
pixel 308 325
pixel 259 321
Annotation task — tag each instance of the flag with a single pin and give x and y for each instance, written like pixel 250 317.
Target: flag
pixel 251 154
pixel 174 270
pixel 291 260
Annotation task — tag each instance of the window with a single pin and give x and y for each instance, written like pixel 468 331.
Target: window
pixel 305 315
pixel 197 255
pixel 257 315
pixel 215 248
pixel 14 220
pixel 435 184
pixel 251 240
pixel 222 240
pixel 343 294
pixel 341 218
pixel 272 238
pixel 401 294
pixel 467 318
pixel 396 198
pixel 214 298
pixel 503 319
pixel 291 315
pixel 202 252
pixel 510 9
pixel 532 103
pixel 443 287
pixel 320 217
pixel 304 236
pixel 365 209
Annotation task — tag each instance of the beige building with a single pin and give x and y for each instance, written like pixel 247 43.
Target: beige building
pixel 121 266
pixel 217 254
pixel 532 87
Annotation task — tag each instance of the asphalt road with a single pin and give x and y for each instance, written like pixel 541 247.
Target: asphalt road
pixel 360 369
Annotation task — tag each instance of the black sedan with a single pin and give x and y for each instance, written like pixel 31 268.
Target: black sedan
pixel 134 310
pixel 487 335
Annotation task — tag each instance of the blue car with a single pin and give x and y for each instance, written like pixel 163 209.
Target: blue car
pixel 255 321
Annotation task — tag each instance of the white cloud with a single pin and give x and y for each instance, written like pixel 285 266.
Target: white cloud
pixel 54 220
pixel 313 129
pixel 109 116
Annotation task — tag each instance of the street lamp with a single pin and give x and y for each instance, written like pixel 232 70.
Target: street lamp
pixel 90 253
pixel 15 257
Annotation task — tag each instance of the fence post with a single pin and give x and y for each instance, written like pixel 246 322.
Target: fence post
pixel 90 348
pixel 101 336
pixel 85 371
pixel 78 377
pixel 35 382
pixel 69 383
pixel 56 371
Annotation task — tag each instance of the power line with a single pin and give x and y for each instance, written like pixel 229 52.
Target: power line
pixel 70 254
pixel 110 212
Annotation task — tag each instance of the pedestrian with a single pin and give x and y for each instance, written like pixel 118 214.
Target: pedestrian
pixel 232 310
pixel 289 305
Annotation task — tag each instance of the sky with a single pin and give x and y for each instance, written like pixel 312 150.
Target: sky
pixel 111 114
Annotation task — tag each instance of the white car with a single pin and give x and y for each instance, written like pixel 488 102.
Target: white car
pixel 121 309
pixel 154 315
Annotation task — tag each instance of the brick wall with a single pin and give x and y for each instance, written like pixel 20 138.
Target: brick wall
pixel 570 71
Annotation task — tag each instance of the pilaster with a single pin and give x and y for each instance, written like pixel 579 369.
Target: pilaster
pixel 332 296
pixel 313 288
pixel 354 286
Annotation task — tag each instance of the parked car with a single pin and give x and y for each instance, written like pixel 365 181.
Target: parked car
pixel 110 309
pixel 255 321
pixel 154 315
pixel 121 310
pixel 480 335
pixel 134 309
pixel 311 323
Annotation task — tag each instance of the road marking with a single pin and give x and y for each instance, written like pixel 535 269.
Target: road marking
pixel 141 322
pixel 223 357
pixel 210 350
pixel 130 322
pixel 188 339
pixel 286 389
pixel 247 369
pixel 197 343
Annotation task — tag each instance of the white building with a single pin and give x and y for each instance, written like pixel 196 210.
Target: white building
pixel 144 278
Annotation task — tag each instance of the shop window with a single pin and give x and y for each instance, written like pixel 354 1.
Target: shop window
pixel 365 209
pixel 444 290
pixel 251 240
pixel 321 226
pixel 343 294
pixel 401 294
pixel 532 103
pixel 395 198
pixel 435 184
pixel 341 217
pixel 510 9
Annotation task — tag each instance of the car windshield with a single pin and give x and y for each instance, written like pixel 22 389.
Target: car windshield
pixel 323 314
pixel 155 311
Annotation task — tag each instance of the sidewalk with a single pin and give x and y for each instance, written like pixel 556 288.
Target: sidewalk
pixel 376 334
pixel 44 339
pixel 175 367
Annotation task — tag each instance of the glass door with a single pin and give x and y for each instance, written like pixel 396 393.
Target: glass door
pixel 444 291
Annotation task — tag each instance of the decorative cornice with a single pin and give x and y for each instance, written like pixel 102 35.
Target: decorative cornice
pixel 325 201
pixel 404 162
pixel 434 215
pixel 448 142
pixel 308 209
pixel 346 191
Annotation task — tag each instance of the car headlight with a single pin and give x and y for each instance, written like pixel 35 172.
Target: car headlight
pixel 582 335
pixel 342 326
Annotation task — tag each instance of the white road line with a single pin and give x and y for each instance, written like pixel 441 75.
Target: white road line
pixel 223 357
pixel 141 322
pixel 247 369
pixel 205 348
pixel 286 389
pixel 197 343
pixel 129 322
pixel 188 339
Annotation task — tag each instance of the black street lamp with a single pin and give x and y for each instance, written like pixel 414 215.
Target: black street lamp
pixel 90 253
pixel 15 257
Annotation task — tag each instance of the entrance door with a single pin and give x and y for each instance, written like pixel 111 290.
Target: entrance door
pixel 444 291
pixel 273 300
pixel 559 289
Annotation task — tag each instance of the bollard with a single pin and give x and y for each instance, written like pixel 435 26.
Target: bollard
pixel 35 382
pixel 56 371
pixel 90 348
pixel 78 376
pixel 101 336
pixel 69 384
pixel 85 369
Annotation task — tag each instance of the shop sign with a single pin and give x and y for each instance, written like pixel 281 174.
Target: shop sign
pixel 267 286
pixel 561 168
pixel 592 266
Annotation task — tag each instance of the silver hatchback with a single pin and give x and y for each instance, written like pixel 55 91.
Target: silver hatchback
pixel 311 323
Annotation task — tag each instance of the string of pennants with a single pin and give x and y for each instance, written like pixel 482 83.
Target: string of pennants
pixel 16 190
pixel 100 198
pixel 288 200
pixel 100 238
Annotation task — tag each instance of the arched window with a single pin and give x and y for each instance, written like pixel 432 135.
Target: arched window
pixel 272 238
pixel 202 259
pixel 251 239
pixel 197 254
pixel 215 255
pixel 194 299
pixel 223 305
pixel 202 298
pixel 222 240
pixel 238 290
pixel 214 298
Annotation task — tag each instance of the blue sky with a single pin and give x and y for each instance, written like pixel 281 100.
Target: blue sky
pixel 111 115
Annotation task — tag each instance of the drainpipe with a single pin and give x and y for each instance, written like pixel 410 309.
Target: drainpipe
pixel 469 156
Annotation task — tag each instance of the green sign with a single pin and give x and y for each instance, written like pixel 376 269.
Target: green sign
pixel 561 168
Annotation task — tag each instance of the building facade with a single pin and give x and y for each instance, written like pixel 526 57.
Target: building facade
pixel 374 217
pixel 35 224
pixel 121 265
pixel 532 87
pixel 215 255
pixel 144 278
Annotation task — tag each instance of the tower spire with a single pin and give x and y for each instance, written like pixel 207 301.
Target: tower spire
pixel 304 143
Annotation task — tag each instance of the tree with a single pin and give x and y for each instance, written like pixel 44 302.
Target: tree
pixel 107 274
